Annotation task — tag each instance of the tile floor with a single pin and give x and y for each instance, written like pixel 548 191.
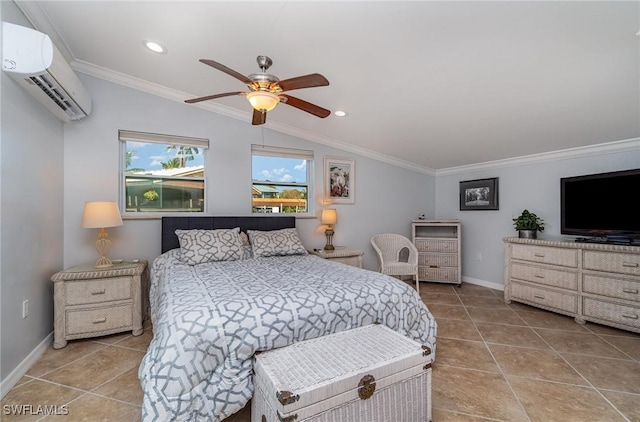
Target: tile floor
pixel 495 362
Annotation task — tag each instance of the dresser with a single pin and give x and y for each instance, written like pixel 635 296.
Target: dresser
pixel 439 245
pixel 344 255
pixel 589 281
pixel 91 302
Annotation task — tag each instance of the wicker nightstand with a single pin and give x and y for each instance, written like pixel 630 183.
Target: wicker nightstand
pixel 347 256
pixel 89 302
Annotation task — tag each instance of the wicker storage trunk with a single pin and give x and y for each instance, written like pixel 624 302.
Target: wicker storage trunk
pixel 368 374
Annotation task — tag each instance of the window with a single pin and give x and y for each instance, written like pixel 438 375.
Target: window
pixel 280 180
pixel 162 173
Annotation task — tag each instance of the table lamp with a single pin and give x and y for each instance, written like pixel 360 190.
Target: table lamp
pixel 99 215
pixel 329 217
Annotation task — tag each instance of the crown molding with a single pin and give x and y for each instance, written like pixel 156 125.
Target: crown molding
pixel 626 145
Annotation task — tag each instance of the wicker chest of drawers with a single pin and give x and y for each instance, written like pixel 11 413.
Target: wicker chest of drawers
pixel 439 250
pixel 90 302
pixel 589 281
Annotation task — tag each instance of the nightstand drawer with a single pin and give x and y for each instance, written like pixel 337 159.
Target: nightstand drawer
pixel 99 319
pixel 98 290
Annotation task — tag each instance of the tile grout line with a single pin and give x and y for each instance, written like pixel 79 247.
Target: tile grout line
pixel 502 373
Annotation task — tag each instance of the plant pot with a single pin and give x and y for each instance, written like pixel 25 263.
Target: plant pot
pixel 527 234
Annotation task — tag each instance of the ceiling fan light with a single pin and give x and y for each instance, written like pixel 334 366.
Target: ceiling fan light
pixel 263 100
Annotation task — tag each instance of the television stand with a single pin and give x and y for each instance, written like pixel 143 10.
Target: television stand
pixel 593 282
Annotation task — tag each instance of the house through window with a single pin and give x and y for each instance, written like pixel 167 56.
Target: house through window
pixel 162 173
pixel 281 180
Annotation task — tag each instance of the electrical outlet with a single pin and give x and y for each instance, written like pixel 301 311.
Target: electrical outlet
pixel 25 308
pixel 478 256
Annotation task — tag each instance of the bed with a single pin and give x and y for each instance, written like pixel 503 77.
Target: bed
pixel 210 318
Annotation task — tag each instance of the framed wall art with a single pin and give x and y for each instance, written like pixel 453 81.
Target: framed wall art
pixel 480 194
pixel 339 181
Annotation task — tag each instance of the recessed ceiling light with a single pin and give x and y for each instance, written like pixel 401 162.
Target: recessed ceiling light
pixel 155 47
pixel 340 113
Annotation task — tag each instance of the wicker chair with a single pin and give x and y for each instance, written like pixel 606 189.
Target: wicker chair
pixel 389 247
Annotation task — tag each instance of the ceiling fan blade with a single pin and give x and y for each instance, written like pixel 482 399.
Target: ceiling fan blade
pixel 305 106
pixel 226 70
pixel 306 81
pixel 259 117
pixel 211 97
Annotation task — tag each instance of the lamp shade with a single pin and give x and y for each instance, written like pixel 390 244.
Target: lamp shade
pixel 263 100
pixel 329 216
pixel 98 215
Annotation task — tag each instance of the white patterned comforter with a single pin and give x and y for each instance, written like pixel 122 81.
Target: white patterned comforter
pixel 209 320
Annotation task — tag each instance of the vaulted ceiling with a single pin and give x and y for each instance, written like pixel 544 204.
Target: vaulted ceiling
pixel 432 84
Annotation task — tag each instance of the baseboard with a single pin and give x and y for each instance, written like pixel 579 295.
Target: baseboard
pixel 12 379
pixel 483 283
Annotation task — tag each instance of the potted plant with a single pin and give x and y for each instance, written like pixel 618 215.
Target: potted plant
pixel 528 224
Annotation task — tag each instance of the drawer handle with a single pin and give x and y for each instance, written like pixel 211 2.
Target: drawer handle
pixel 100 320
pixel 539 296
pixel 98 292
pixel 630 316
pixel 631 291
pixel 539 255
pixel 630 264
pixel 538 275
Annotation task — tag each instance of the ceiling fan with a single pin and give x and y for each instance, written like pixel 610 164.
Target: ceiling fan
pixel 266 91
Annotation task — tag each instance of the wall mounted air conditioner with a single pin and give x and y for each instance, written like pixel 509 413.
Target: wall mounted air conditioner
pixel 29 57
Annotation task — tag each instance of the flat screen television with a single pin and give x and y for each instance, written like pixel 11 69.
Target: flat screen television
pixel 602 207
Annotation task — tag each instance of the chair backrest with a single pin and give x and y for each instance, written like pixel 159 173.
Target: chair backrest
pixel 389 245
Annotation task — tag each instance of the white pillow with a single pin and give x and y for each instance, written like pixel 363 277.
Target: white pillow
pixel 199 246
pixel 276 243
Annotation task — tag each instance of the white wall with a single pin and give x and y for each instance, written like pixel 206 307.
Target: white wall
pixel 387 197
pixel 532 185
pixel 31 165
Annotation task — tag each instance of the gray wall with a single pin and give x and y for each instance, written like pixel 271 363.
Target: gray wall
pixel 533 184
pixel 387 197
pixel 31 187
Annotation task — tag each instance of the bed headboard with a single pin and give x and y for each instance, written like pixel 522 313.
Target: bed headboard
pixel 170 224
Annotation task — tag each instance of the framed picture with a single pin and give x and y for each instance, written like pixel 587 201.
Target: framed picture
pixel 339 181
pixel 481 194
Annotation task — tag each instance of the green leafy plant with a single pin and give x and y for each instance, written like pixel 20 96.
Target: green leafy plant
pixel 528 221
pixel 151 195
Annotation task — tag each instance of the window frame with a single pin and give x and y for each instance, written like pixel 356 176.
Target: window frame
pixel 284 152
pixel 125 136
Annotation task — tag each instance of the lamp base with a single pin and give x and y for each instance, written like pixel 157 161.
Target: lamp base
pixel 329 233
pixel 103 262
pixel 103 246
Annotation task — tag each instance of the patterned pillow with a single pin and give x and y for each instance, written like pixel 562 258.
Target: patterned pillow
pixel 276 243
pixel 200 246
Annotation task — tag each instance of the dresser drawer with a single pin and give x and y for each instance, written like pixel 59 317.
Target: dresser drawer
pixel 99 319
pixel 437 261
pixel 566 279
pixel 98 290
pixel 546 255
pixel 437 245
pixel 548 298
pixel 611 262
pixel 612 312
pixel 611 287
pixel 438 274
